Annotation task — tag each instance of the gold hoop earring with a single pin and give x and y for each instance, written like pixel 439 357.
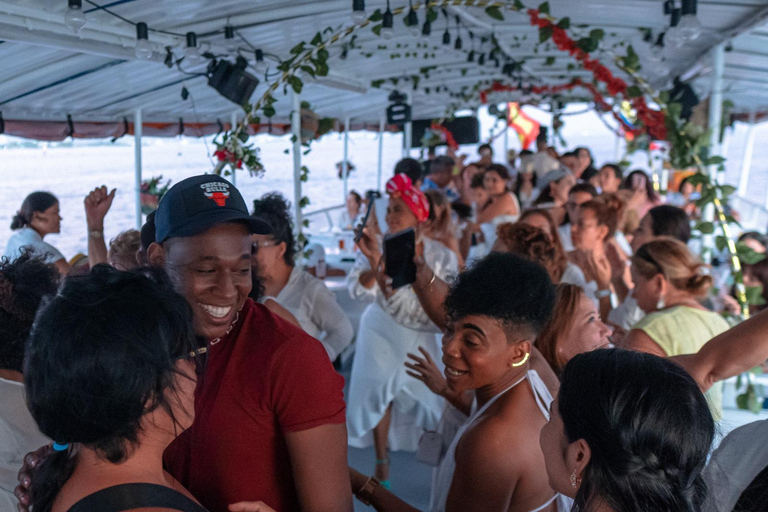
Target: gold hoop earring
pixel 521 363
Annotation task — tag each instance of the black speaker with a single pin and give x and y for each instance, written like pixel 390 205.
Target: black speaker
pixel 231 80
pixel 398 114
pixel 465 130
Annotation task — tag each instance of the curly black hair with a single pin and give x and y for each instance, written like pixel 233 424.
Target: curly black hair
pixel 275 210
pixel 23 284
pixel 506 287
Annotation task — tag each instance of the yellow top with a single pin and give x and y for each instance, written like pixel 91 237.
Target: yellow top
pixel 684 330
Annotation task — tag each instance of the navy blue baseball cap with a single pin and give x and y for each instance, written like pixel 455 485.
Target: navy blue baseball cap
pixel 198 203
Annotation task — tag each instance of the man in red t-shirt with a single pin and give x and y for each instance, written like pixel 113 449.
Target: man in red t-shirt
pixel 269 407
pixel 270 413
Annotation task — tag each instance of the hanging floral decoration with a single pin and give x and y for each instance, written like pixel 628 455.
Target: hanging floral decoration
pixel 438 134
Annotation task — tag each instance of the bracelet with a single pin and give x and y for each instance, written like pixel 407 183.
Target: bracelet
pixel 602 294
pixel 96 234
pixel 365 494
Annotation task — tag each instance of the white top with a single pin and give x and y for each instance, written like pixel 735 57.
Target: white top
pixel 19 435
pixel 565 237
pixel 741 456
pixel 404 306
pixel 346 223
pixel 541 163
pixel 444 477
pixel 317 311
pixel 573 275
pixel 28 237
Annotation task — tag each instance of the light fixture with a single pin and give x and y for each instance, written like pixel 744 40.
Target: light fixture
pixel 481 60
pixel 471 56
pixel 387 24
pixel 426 29
pixel 358 11
pixel 75 17
pixel 143 48
pixel 674 36
pixel 412 20
pixel 690 26
pixel 192 52
pixel 446 34
pixel 229 39
pixel 458 44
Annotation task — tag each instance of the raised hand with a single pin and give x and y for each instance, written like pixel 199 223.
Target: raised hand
pixel 425 369
pixel 97 204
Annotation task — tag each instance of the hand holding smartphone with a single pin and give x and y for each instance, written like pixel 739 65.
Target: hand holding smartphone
pixel 399 255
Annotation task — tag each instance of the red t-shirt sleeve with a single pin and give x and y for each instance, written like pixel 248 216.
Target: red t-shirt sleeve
pixel 306 390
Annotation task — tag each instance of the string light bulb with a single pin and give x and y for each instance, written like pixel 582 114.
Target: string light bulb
pixel 426 29
pixel 412 20
pixel 458 44
pixel 388 24
pixel 358 11
pixel 192 52
pixel 690 27
pixel 229 39
pixel 674 36
pixel 446 34
pixel 143 48
pixel 75 17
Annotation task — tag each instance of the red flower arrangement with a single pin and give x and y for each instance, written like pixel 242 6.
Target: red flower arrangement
pixel 652 119
pixel 228 157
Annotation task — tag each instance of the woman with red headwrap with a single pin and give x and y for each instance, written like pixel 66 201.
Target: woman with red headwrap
pixel 385 406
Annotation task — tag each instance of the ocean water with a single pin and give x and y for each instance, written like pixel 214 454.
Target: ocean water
pixel 73 168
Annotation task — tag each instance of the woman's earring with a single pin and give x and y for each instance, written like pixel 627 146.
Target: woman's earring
pixel 660 303
pixel 574 480
pixel 524 360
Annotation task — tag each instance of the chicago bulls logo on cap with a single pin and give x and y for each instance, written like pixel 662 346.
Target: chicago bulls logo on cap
pixel 216 191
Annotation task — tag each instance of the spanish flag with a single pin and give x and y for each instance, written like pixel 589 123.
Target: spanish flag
pixel 527 129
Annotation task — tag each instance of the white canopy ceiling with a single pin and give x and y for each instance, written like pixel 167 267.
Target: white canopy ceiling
pixel 47 71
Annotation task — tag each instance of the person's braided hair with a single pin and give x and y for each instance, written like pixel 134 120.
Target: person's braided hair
pixel 648 428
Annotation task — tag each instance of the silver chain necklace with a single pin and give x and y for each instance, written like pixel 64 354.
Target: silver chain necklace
pixel 231 326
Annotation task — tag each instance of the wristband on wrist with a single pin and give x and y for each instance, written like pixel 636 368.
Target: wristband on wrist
pixel 602 294
pixel 96 234
pixel 365 494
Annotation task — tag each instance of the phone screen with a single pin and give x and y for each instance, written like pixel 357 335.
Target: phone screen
pixel 399 252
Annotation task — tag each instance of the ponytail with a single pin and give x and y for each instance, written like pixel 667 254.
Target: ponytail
pixel 33 203
pixel 18 221
pixel 49 477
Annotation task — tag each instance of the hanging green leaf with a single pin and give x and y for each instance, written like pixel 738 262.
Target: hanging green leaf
pixel 550 61
pixel 431 15
pixel 317 39
pixel 243 136
pixel 269 111
pixel 564 23
pixel 747 255
pixel 634 91
pixel 544 8
pixel 727 190
pixel 308 70
pixel 587 44
pixel 721 243
pixel 706 228
pixel 297 49
pixel 755 295
pixel 597 34
pixel 518 6
pixel 377 29
pixel 495 13
pixel 376 16
pixel 545 33
pixel 377 83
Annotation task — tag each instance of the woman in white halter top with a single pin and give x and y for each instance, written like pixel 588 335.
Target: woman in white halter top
pixel 494 463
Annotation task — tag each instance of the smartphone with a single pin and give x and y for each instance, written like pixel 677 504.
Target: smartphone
pixel 399 252
pixel 371 196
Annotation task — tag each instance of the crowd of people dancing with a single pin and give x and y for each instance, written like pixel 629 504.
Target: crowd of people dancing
pixel 558 347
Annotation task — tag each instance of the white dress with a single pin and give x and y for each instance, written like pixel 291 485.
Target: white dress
pixel 390 329
pixel 444 478
pixel 316 310
pixel 479 251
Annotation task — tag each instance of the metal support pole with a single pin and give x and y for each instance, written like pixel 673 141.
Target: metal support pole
pixel 716 104
pixel 345 162
pixel 746 163
pixel 233 178
pixel 381 153
pixel 296 129
pixel 407 135
pixel 137 132
pixel 715 119
pixel 506 143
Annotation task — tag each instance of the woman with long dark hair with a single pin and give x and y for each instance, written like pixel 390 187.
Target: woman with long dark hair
pixel 644 195
pixel 38 217
pixel 629 432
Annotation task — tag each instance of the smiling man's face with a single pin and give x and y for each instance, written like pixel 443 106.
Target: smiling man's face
pixel 213 272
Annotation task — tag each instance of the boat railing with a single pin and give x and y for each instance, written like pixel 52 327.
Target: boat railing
pixel 322 220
